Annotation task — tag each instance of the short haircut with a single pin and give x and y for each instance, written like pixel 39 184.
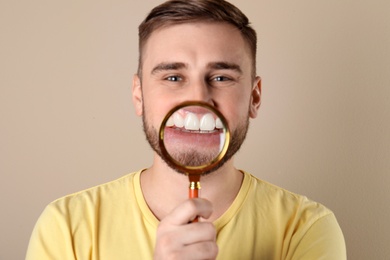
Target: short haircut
pixel 187 11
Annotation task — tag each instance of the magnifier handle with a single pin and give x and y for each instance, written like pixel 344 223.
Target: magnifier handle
pixel 194 193
pixel 194 189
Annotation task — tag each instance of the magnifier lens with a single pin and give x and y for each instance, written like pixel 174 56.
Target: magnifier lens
pixel 194 136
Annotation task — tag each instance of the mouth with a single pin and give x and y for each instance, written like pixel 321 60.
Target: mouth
pixel 194 133
pixel 194 130
pixel 195 122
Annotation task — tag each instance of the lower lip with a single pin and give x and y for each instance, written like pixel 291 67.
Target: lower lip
pixel 193 138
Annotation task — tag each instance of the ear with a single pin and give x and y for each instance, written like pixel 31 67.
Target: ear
pixel 137 95
pixel 255 100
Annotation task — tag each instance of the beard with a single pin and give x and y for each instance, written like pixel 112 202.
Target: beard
pixel 193 157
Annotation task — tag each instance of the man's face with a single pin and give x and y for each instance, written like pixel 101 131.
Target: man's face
pixel 207 62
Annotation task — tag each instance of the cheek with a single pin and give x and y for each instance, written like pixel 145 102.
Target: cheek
pixel 236 109
pixel 155 110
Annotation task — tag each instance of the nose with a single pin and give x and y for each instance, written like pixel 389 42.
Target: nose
pixel 201 91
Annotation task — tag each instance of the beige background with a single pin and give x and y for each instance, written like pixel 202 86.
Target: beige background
pixel 67 122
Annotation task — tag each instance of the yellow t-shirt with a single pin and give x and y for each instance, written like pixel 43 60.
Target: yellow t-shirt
pixel 113 221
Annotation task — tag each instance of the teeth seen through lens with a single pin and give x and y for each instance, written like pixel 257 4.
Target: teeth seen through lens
pixel 170 122
pixel 178 120
pixel 207 123
pixel 192 122
pixel 218 123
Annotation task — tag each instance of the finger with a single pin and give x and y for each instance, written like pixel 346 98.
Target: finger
pixel 188 211
pixel 175 240
pixel 197 233
pixel 203 250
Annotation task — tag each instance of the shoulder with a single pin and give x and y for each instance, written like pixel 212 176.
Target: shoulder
pixel 283 208
pixel 80 217
pixel 107 195
pixel 310 227
pixel 283 199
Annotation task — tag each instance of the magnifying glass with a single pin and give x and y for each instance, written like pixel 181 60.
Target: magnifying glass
pixel 194 138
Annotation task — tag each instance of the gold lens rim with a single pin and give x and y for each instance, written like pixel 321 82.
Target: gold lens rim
pixel 199 169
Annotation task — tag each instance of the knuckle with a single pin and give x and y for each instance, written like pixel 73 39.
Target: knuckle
pixel 210 249
pixel 165 241
pixel 191 206
pixel 210 228
pixel 176 256
pixel 169 239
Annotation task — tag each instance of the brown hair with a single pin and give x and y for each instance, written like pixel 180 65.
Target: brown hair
pixel 185 11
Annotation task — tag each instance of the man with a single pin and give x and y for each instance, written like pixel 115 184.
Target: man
pixel 201 50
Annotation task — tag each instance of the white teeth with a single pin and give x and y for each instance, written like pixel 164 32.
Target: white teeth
pixel 170 122
pixel 178 120
pixel 218 123
pixel 207 123
pixel 192 122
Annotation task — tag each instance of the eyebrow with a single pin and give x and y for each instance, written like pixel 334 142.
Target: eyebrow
pixel 220 65
pixel 164 66
pixel 224 66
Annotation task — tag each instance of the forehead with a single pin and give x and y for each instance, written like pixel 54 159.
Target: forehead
pixel 196 42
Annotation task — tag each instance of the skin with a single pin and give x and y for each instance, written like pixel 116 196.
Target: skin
pixel 183 62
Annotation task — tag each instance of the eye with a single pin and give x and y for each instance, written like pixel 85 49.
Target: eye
pixel 173 78
pixel 220 78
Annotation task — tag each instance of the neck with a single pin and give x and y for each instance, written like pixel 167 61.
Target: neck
pixel 164 188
